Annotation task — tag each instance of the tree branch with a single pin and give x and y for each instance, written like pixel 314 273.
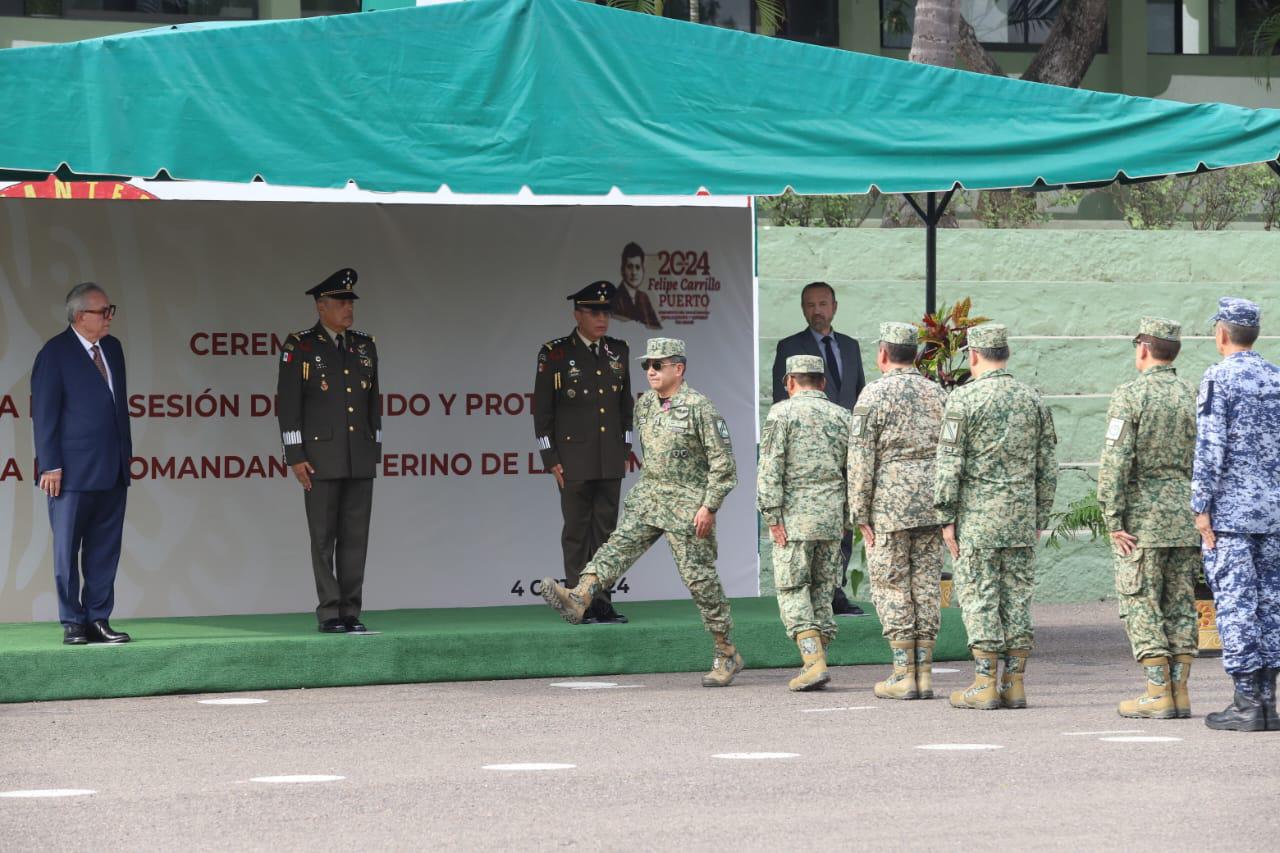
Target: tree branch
pixel 973 55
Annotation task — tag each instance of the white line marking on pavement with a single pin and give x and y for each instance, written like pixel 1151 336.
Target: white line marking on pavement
pixel 594 685
pixel 755 756
pixel 961 747
pixel 1140 739
pixel 1105 732
pixel 828 710
pixel 944 669
pixel 529 766
pixel 233 700
pixel 48 792
pixel 289 780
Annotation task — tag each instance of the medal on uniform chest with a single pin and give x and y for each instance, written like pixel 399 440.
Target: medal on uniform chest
pixel 572 393
pixel 615 365
pixel 362 349
pixel 324 385
pixel 574 372
pixel 366 362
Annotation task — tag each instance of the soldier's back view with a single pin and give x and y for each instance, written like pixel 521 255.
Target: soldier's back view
pixel 995 481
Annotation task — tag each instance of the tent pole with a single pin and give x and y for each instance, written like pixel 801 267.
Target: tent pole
pixel 931 217
pixel 931 255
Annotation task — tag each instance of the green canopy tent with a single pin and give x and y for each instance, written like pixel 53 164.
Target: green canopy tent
pixel 570 98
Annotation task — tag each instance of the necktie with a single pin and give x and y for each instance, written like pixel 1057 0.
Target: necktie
pixel 830 355
pixel 100 364
pixel 338 338
pixel 595 350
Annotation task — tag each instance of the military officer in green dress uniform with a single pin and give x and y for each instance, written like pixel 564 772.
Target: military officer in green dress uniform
pixel 331 426
pixel 582 410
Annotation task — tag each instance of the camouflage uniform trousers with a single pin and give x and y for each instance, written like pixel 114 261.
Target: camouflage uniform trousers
pixel 804 574
pixel 695 560
pixel 906 579
pixel 994 587
pixel 1243 570
pixel 1156 588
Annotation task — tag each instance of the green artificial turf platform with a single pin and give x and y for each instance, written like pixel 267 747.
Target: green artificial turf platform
pixel 215 654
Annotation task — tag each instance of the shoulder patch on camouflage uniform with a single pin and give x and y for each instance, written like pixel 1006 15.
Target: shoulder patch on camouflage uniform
pixel 858 424
pixel 1115 429
pixel 952 432
pixel 1207 403
pixel 722 430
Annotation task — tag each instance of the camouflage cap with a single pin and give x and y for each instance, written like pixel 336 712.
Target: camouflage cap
pixel 1159 327
pixel 805 364
pixel 899 333
pixel 1240 312
pixel 989 336
pixel 662 348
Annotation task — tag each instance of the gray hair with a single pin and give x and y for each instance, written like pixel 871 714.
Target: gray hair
pixel 76 300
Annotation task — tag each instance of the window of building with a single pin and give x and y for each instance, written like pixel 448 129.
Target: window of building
pixel 312 8
pixel 143 10
pixel 1000 24
pixel 813 21
pixel 1193 27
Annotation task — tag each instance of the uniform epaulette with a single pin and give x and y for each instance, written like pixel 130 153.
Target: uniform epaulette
pixel 359 333
pixel 557 342
pixel 618 341
pixel 302 333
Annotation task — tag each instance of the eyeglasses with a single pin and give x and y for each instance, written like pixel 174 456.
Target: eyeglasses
pixel 654 365
pixel 106 313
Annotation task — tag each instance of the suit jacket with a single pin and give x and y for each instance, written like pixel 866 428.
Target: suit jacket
pixel 77 424
pixel 639 309
pixel 803 343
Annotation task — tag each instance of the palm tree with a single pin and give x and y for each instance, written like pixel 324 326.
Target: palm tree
pixel 1266 38
pixel 937 33
pixel 770 14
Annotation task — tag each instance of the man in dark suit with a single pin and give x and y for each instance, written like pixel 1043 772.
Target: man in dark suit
pixel 845 382
pixel 80 421
pixel 631 302
pixel 582 411
pixel 331 428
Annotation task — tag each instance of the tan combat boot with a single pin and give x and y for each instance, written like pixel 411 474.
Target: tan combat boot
pixel 1157 703
pixel 924 668
pixel 1012 694
pixel 571 604
pixel 902 684
pixel 725 666
pixel 814 675
pixel 982 694
pixel 1179 673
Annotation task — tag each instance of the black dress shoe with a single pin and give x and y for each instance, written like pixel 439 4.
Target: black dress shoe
pixel 74 635
pixel 100 632
pixel 842 606
pixel 609 616
pixel 354 625
pixel 332 626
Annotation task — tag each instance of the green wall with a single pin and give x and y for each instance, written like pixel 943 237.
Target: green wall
pixel 1071 299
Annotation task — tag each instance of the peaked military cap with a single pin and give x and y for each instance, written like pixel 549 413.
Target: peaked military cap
pixel 598 295
pixel 1237 311
pixel 1159 327
pixel 805 364
pixel 989 336
pixel 340 285
pixel 899 333
pixel 662 348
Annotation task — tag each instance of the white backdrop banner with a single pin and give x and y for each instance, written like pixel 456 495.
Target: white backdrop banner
pixel 460 298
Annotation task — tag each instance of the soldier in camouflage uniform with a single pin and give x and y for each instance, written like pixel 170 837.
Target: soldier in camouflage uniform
pixel 800 491
pixel 1235 493
pixel 995 480
pixel 688 471
pixel 1144 489
pixel 892 446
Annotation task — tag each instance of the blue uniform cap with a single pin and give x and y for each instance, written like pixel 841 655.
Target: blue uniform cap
pixel 1241 312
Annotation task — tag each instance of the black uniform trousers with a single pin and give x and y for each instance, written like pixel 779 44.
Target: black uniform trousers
pixel 590 510
pixel 338 514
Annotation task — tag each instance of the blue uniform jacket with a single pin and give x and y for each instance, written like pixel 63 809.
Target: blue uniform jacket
pixel 1236 477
